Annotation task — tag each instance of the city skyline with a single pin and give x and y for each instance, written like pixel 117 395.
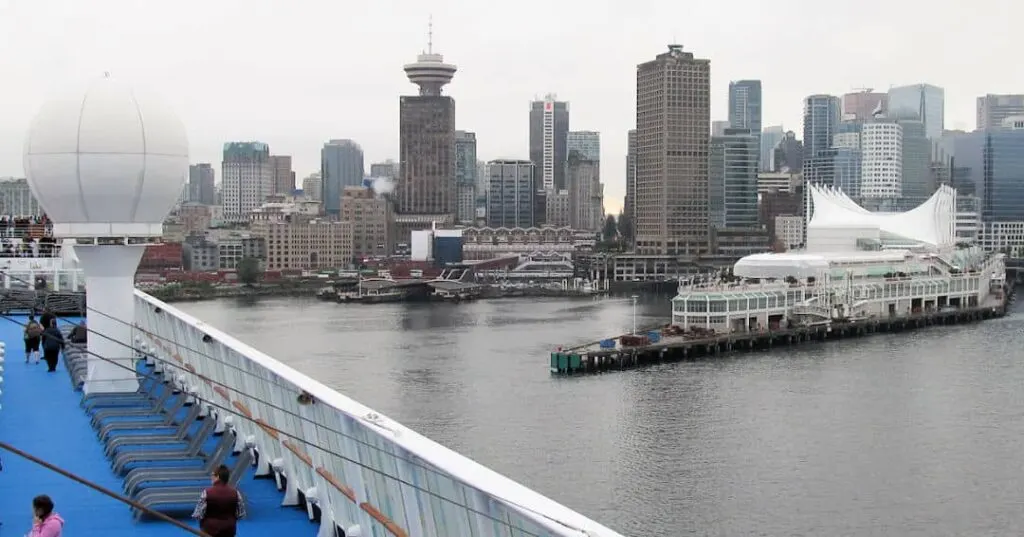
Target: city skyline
pixel 259 73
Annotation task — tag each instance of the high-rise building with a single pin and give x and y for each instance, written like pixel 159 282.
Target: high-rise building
pixel 341 165
pixel 1000 151
pixel 510 198
pixel 483 181
pixel 426 184
pixel 745 105
pixel 863 105
pixel 549 130
pixel 465 176
pixel 201 184
pixel 1002 177
pixel 847 158
pixel 881 162
pixel 370 217
pixel 557 207
pixel 630 198
pixel 673 124
pixel 247 178
pixel 284 177
pixel 770 138
pixel 312 187
pixel 732 183
pixel 388 169
pixel 821 118
pixel 16 198
pixel 586 143
pixel 923 102
pixel 718 128
pixel 586 194
pixel 917 183
pixel 789 154
pixel 993 109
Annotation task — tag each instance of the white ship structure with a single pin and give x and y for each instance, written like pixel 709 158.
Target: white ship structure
pixel 857 264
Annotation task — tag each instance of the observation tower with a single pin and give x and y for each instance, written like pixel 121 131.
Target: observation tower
pixel 430 72
pixel 107 165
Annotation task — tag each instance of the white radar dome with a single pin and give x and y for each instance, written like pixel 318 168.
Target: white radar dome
pixel 106 161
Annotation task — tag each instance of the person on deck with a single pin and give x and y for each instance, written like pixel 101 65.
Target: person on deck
pixel 79 334
pixel 45 319
pixel 46 523
pixel 33 331
pixel 220 506
pixel 53 343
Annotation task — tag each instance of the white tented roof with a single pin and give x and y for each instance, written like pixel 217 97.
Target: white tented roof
pixel 778 266
pixel 931 223
pixel 803 265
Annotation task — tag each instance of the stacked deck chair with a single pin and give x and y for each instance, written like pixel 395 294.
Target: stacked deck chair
pixel 163 439
pixel 174 496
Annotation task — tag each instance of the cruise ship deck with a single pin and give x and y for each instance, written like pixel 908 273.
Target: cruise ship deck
pixel 41 415
pixel 321 464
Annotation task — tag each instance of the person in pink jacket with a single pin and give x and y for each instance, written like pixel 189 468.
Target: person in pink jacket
pixel 47 523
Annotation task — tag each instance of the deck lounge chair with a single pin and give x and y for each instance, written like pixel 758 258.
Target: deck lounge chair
pixel 181 499
pixel 130 441
pixel 149 390
pixel 144 423
pixel 190 452
pixel 152 407
pixel 149 477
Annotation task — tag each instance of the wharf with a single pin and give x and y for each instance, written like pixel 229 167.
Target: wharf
pixel 591 358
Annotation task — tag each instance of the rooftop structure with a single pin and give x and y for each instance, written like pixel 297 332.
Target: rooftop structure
pixel 837 223
pixel 429 72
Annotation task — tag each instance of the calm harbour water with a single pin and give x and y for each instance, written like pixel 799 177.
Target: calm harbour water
pixel 917 434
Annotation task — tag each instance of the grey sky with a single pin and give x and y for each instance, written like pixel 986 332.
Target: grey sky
pixel 295 73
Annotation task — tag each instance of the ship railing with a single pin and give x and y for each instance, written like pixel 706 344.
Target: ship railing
pixel 360 467
pixel 719 287
pixel 811 310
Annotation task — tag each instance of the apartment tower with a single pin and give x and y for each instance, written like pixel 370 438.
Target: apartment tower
pixel 247 178
pixel 993 109
pixel 549 131
pixel 341 165
pixel 629 201
pixel 673 124
pixel 201 184
pixel 284 177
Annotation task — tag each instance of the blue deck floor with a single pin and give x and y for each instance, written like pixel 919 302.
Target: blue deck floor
pixel 41 415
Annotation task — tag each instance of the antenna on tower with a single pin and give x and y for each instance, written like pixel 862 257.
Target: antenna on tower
pixel 430 34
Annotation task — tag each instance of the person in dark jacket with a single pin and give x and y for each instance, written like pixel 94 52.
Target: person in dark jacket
pixel 33 333
pixel 220 506
pixel 53 343
pixel 45 319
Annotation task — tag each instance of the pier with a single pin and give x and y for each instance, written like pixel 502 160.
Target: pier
pixel 594 358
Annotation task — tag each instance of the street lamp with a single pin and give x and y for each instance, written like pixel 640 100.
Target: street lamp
pixel 634 297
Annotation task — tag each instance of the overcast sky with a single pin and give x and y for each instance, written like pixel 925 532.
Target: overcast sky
pixel 294 73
